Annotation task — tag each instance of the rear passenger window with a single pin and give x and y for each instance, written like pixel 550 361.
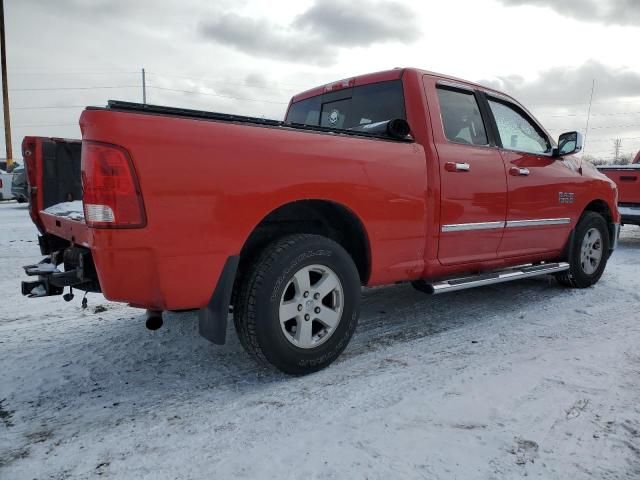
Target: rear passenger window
pixel 461 117
pixel 517 131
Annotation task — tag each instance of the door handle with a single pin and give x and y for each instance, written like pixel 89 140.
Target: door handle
pixel 517 171
pixel 457 167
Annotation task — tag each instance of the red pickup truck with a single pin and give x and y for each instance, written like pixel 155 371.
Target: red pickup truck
pixel 396 176
pixel 627 177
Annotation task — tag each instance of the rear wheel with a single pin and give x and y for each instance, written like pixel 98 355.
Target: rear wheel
pixel 298 305
pixel 589 252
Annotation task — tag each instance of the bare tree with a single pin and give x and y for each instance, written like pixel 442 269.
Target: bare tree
pixel 617 146
pixel 624 159
pixel 596 161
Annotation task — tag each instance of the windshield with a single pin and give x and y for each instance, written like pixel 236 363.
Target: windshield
pixel 351 107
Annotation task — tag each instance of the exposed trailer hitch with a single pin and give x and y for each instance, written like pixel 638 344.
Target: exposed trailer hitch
pixel 79 272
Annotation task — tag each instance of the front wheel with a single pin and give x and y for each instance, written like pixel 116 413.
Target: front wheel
pixel 298 305
pixel 589 252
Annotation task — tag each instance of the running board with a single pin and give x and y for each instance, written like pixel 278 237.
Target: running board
pixel 490 278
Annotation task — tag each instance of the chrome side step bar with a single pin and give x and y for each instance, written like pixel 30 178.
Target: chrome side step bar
pixel 526 271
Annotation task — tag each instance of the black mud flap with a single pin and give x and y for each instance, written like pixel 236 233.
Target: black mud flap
pixel 212 323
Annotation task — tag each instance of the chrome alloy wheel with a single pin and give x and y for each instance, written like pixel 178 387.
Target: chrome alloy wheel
pixel 311 306
pixel 591 251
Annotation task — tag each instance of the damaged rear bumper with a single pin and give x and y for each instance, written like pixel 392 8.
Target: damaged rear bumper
pixel 65 265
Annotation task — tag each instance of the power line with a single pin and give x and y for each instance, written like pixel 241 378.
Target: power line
pixel 616 126
pixel 69 72
pixel 26 125
pixel 53 107
pixel 235 84
pixel 226 82
pixel 547 105
pixel 609 139
pixel 593 114
pixel 217 95
pixel 71 88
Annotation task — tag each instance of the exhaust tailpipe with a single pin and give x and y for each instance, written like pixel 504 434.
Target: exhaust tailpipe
pixel 154 319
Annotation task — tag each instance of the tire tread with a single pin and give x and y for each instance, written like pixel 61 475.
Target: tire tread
pixel 245 307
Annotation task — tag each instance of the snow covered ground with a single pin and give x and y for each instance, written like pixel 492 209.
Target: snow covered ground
pixel 503 382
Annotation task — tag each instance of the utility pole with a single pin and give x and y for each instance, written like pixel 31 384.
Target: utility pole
pixel 5 90
pixel 617 145
pixel 144 86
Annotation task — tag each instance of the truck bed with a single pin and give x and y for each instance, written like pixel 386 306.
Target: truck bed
pixel 121 106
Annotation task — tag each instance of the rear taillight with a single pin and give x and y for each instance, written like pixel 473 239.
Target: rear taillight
pixel 111 194
pixel 0 183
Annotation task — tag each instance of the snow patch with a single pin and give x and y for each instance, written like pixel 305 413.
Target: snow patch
pixel 522 379
pixel 71 210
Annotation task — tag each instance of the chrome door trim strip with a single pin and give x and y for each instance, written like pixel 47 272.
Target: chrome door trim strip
pixel 537 222
pixel 463 227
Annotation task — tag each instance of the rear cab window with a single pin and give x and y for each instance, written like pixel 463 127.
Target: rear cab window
pixel 351 108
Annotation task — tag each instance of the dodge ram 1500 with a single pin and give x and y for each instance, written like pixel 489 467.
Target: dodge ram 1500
pixel 396 176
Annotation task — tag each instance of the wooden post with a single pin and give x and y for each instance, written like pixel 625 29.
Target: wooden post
pixel 5 90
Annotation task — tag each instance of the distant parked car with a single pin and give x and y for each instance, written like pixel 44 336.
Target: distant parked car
pixel 19 187
pixel 5 185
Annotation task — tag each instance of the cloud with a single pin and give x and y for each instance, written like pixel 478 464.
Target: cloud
pixel 616 12
pixel 566 85
pixel 350 23
pixel 259 37
pixel 316 35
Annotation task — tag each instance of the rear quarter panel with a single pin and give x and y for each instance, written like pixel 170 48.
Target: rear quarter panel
pixel 207 184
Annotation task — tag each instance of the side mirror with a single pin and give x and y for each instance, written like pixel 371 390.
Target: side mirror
pixel 568 144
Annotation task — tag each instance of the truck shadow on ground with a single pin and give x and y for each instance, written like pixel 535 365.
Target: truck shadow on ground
pixel 174 363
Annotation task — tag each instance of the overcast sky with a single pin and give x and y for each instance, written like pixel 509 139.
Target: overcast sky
pixel 249 57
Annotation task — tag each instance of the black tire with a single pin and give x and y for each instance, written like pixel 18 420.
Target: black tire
pixel 257 303
pixel 21 200
pixel 576 277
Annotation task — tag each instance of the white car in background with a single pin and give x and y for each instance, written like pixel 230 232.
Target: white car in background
pixel 6 179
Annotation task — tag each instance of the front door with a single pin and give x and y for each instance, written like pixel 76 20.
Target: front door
pixel 473 185
pixel 538 218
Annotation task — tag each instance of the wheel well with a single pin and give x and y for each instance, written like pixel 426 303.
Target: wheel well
pixel 318 217
pixel 601 207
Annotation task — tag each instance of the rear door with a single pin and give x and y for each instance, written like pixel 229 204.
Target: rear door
pixel 473 185
pixel 540 187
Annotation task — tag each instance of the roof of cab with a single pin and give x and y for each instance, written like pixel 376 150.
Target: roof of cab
pixel 387 75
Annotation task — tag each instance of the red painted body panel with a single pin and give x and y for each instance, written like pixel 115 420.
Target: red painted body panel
pixel 203 212
pixel 206 184
pixel 628 181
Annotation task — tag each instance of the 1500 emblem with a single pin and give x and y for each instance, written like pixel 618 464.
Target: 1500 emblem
pixel 566 197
